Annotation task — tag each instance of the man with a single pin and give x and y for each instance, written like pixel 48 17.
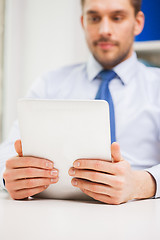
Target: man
pixel 110 27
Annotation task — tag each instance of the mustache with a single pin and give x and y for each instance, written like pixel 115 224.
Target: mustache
pixel 105 40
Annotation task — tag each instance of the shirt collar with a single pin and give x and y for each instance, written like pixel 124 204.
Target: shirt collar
pixel 93 68
pixel 124 70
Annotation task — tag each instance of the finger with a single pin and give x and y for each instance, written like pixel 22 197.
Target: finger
pixel 18 147
pixel 23 162
pixel 94 176
pixel 95 164
pixel 104 198
pixel 98 197
pixel 25 193
pixel 31 183
pixel 94 187
pixel 115 152
pixel 22 173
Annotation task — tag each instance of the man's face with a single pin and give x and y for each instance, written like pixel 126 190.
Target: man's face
pixel 110 27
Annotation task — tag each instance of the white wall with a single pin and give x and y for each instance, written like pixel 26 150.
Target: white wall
pixel 40 35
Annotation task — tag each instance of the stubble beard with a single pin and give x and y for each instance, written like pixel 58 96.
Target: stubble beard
pixel 109 62
pixel 115 60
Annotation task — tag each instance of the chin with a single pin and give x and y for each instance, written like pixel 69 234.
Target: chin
pixel 107 62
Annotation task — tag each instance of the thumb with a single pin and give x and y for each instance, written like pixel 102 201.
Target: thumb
pixel 18 147
pixel 115 152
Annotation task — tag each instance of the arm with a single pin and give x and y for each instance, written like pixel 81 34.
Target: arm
pixel 27 176
pixel 112 182
pixel 9 168
pixel 7 149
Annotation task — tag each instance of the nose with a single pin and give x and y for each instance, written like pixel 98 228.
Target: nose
pixel 105 27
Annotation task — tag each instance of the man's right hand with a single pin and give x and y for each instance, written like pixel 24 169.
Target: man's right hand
pixel 27 176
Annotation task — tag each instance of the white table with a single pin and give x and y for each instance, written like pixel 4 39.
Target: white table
pixel 47 219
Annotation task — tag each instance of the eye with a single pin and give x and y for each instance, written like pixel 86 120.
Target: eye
pixel 117 18
pixel 94 19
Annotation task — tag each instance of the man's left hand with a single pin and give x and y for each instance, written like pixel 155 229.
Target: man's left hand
pixel 105 181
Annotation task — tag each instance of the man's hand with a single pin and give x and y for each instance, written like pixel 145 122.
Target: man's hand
pixel 111 182
pixel 27 176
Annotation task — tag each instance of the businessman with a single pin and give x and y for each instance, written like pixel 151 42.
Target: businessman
pixel 133 90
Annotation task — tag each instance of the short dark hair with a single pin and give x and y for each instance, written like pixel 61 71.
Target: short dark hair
pixel 135 3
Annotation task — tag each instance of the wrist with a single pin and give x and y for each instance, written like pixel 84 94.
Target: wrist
pixel 144 185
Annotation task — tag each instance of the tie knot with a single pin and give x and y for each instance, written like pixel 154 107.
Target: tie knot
pixel 107 75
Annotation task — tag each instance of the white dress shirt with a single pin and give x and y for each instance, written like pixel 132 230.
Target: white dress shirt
pixel 136 97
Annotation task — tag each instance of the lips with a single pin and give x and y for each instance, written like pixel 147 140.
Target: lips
pixel 105 45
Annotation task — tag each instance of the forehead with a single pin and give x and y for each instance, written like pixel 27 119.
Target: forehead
pixel 108 5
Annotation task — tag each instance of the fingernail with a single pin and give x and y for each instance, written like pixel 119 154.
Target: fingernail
pixel 54 173
pixel 74 182
pixel 76 164
pixel 53 180
pixel 49 165
pixel 72 172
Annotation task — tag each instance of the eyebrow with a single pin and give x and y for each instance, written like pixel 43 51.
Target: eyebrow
pixel 120 12
pixel 90 12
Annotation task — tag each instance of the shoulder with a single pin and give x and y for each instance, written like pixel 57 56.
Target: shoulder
pixel 151 73
pixel 150 80
pixel 150 76
pixel 59 75
pixel 48 84
pixel 64 72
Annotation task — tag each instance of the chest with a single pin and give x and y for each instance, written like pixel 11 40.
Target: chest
pixel 137 126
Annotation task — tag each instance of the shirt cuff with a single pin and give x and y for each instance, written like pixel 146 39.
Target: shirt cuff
pixel 2 186
pixel 155 172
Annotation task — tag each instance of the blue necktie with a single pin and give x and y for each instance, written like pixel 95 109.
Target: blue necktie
pixel 104 94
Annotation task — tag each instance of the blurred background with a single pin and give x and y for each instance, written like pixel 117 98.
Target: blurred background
pixel 39 35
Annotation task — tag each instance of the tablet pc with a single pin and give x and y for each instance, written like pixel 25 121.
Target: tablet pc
pixel 63 131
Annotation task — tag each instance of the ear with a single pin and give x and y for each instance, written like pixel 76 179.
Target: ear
pixel 139 23
pixel 82 21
